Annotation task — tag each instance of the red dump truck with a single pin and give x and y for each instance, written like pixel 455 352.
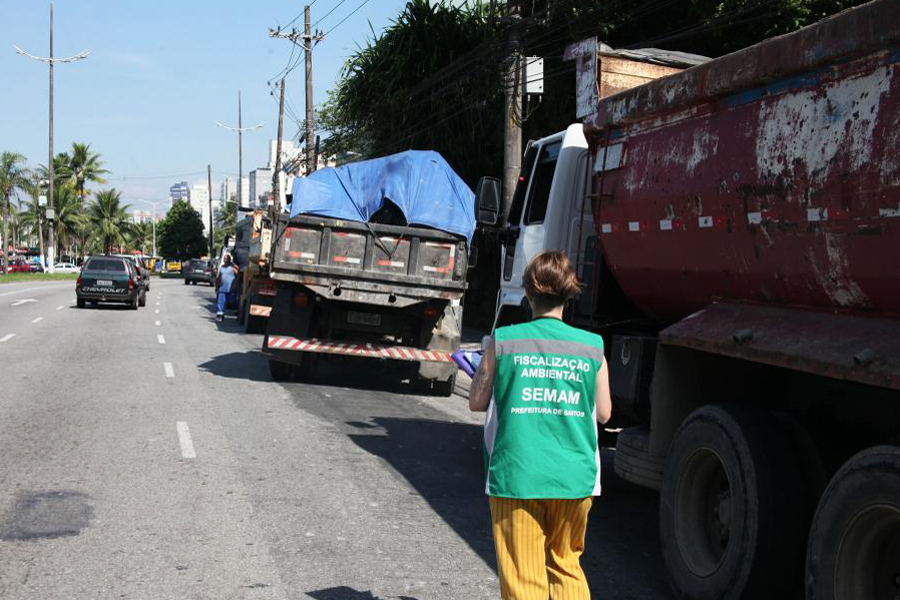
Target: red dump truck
pixel 738 226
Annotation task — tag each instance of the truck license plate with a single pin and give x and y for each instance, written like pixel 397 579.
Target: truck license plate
pixel 361 318
pixel 104 282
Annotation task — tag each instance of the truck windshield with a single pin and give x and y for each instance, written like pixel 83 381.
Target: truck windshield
pixel 540 185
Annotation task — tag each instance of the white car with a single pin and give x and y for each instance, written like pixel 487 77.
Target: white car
pixel 66 268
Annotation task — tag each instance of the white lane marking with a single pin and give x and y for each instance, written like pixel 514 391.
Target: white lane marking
pixel 37 319
pixel 161 339
pixel 60 307
pixel 157 311
pixel 170 372
pixel 23 301
pixel 32 289
pixel 7 337
pixel 157 303
pixel 157 323
pixel 184 440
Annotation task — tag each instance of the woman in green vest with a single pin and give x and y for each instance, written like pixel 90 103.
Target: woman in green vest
pixel 545 387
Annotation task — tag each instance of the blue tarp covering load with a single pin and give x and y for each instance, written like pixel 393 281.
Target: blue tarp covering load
pixel 420 183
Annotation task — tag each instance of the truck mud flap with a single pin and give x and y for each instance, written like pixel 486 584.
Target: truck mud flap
pixel 278 342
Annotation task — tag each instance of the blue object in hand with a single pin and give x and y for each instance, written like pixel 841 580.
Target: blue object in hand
pixel 467 361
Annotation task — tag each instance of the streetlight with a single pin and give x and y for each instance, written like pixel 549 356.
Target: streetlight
pixel 154 218
pixel 240 130
pixel 51 61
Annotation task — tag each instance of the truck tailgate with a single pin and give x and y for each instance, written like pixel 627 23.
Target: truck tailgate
pixel 387 253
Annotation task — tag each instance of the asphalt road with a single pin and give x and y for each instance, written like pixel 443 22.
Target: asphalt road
pixel 148 455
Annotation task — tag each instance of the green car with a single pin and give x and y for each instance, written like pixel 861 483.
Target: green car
pixel 109 279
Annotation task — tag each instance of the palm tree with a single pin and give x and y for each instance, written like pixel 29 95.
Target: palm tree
pixel 12 175
pixel 83 166
pixel 140 236
pixel 109 219
pixel 70 219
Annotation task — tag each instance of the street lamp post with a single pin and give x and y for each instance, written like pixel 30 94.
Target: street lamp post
pixel 150 202
pixel 51 242
pixel 240 130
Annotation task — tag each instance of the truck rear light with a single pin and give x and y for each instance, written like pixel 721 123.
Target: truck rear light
pixel 130 284
pixel 78 281
pixel 432 312
pixel 301 300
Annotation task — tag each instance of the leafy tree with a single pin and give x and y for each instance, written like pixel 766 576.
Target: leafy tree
pixel 108 219
pixel 13 174
pixel 180 234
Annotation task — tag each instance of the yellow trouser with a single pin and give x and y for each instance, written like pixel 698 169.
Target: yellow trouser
pixel 539 545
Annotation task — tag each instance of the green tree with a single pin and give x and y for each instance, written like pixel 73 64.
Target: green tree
pixel 226 217
pixel 180 234
pixel 108 219
pixel 13 174
pixel 82 165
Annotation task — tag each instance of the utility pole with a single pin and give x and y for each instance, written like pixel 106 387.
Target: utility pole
pixel 310 116
pixel 240 130
pixel 512 107
pixel 209 189
pixel 309 38
pixel 276 175
pixel 51 241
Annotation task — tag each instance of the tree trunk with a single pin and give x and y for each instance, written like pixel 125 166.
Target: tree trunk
pixel 5 240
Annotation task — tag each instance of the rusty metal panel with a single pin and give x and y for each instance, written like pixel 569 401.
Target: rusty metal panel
pixel 861 349
pixel 786 193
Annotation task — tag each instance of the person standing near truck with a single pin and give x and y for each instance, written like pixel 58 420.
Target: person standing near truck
pixel 550 390
pixel 227 273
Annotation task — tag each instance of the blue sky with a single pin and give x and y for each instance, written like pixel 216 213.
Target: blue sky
pixel 159 75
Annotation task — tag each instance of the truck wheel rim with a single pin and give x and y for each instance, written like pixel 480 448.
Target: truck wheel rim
pixel 703 512
pixel 868 559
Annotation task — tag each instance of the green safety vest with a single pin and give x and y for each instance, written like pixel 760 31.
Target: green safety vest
pixel 541 428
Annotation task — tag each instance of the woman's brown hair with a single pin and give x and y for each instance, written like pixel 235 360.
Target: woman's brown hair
pixel 550 279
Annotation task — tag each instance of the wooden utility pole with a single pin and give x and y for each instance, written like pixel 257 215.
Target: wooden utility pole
pixel 276 175
pixel 512 107
pixel 309 38
pixel 209 189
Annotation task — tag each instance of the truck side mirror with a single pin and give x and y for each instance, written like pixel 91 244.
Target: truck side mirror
pixel 487 201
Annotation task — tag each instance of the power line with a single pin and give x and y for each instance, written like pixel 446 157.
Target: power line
pixel 353 12
pixel 325 16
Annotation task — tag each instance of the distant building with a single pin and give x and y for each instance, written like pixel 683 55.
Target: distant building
pixel 142 216
pixel 179 191
pixel 199 199
pixel 260 187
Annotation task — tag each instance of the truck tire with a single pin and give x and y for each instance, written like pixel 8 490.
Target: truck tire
pixel 730 524
pixel 633 462
pixel 280 371
pixel 80 302
pixel 444 388
pixel 242 314
pixel 854 541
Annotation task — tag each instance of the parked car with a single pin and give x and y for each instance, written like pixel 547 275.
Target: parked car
pixel 109 279
pixel 19 265
pixel 173 266
pixel 196 270
pixel 65 267
pixel 35 267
